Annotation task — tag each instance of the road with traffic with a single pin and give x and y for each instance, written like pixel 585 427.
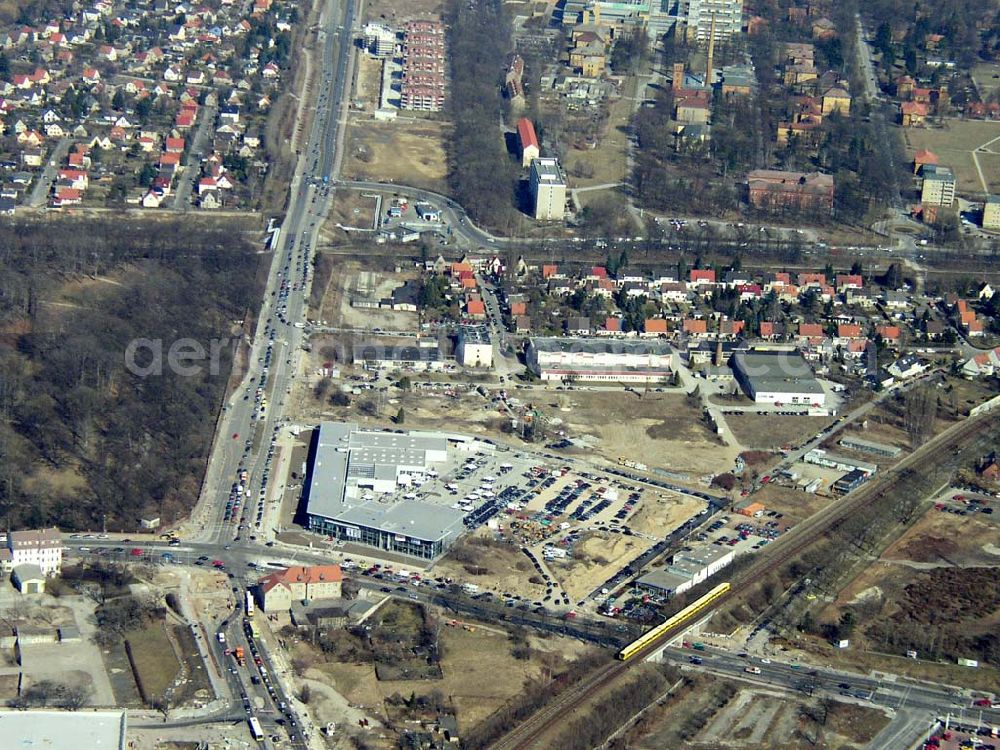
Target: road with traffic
pixel 238 468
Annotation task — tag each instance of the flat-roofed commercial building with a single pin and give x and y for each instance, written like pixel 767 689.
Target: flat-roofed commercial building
pixel 548 189
pixel 600 359
pixel 380 356
pixel 867 446
pixel 352 471
pixel 777 378
pixel 686 569
pixel 821 457
pixel 64 730
pixel 850 481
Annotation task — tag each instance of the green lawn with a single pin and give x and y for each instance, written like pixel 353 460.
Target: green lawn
pixel 154 658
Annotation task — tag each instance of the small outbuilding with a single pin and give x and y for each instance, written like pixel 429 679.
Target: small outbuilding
pixel 29 579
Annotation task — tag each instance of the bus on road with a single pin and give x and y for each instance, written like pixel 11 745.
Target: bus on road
pixel 249 603
pixel 255 731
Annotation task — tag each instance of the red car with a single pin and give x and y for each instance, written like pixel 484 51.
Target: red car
pixel 217 563
pixel 136 552
pixel 982 702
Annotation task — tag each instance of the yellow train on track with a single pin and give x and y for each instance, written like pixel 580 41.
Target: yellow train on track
pixel 684 615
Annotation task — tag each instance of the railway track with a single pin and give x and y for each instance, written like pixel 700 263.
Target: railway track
pixel 945 444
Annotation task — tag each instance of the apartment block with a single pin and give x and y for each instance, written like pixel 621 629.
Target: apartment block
pixel 697 16
pixel 423 86
pixel 991 213
pixel 938 188
pixel 548 189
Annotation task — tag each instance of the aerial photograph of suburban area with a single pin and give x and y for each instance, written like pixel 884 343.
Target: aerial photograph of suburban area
pixel 500 374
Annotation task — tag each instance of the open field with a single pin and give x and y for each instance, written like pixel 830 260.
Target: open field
pixel 954 145
pixel 946 539
pixel 424 410
pixel 986 678
pixel 987 80
pixel 795 504
pixel 757 432
pixel 395 13
pixel 479 671
pixel 8 687
pixel 661 513
pixel 499 567
pixel 757 719
pixel 350 208
pixel 154 658
pixel 709 712
pixel 410 152
pixel 658 429
pixel 368 84
pixel 933 590
pixel 597 557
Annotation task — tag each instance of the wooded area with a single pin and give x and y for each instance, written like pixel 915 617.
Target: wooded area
pixel 954 20
pixel 673 174
pixel 82 439
pixel 479 168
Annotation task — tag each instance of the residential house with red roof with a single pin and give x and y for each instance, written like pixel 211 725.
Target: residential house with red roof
pixel 612 327
pixel 701 279
pixel 811 331
pixel 653 327
pixel 697 327
pixel 847 281
pixel 890 335
pixel 277 591
pixel 527 141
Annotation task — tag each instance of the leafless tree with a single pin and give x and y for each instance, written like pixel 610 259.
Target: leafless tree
pixel 74 697
pixel 920 408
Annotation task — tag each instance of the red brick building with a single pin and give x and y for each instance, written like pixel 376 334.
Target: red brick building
pixel 772 190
